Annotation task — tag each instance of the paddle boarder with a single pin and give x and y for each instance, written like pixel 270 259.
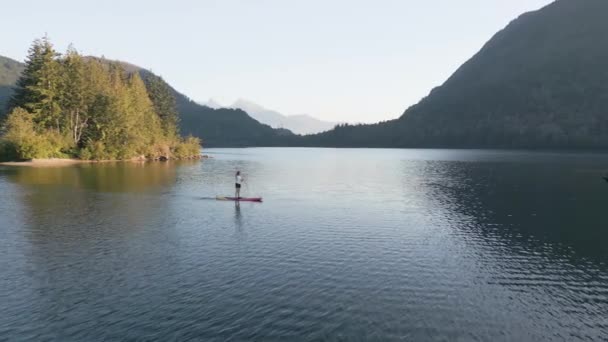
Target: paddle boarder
pixel 238 180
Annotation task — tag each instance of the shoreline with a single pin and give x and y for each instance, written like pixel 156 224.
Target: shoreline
pixel 56 162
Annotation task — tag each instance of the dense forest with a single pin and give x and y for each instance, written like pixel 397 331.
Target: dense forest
pixel 67 106
pixel 542 82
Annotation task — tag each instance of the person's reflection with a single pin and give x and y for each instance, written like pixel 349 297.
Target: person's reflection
pixel 237 217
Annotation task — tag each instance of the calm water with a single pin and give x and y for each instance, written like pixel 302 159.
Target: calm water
pixel 348 245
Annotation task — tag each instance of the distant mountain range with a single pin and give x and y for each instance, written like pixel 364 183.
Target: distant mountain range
pixel 299 124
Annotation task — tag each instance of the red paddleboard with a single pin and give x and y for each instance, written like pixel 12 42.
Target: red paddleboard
pixel 240 199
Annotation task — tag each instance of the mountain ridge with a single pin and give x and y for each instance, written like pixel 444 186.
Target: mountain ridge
pixel 538 83
pixel 303 124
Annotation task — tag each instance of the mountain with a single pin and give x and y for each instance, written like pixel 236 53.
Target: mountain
pixel 267 116
pixel 212 103
pixel 299 124
pixel 226 127
pixel 539 83
pixel 9 73
pixel 306 124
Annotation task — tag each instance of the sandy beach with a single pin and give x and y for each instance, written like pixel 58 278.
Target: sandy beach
pixel 51 162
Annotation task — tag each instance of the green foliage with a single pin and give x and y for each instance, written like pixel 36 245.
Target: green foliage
pixel 164 103
pixel 70 106
pixel 96 150
pixel 187 148
pixel 21 141
pixel 38 87
pixel 76 95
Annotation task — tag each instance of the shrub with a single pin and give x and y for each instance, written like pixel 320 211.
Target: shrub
pixel 22 142
pixel 158 150
pixel 189 147
pixel 97 150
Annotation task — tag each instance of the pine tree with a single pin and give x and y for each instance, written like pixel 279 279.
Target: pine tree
pixel 164 103
pixel 142 122
pixel 37 89
pixel 76 95
pixel 99 105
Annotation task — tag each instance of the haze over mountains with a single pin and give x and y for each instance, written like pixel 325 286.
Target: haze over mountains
pixel 539 83
pixel 299 124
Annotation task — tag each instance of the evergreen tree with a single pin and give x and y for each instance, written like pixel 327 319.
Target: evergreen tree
pixel 144 124
pixel 37 89
pixel 76 95
pixel 164 103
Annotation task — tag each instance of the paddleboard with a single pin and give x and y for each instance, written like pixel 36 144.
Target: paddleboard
pixel 240 199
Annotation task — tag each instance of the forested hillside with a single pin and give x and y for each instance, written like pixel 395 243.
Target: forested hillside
pixel 539 83
pixel 9 73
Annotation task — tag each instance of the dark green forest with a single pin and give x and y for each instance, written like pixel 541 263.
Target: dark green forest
pixel 67 106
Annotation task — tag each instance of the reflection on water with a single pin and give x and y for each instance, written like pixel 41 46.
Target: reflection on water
pixel 349 244
pixel 104 177
pixel 555 203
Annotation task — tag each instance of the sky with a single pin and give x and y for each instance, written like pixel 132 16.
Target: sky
pixel 337 60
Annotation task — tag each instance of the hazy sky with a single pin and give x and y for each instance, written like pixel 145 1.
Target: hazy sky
pixel 341 60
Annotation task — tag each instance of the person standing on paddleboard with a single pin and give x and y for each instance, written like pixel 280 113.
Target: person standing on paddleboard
pixel 238 181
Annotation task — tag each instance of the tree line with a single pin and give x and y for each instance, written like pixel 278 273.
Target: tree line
pixel 71 106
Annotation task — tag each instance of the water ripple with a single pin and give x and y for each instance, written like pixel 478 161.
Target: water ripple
pixel 386 245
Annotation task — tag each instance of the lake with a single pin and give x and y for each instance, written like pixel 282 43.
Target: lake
pixel 349 244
